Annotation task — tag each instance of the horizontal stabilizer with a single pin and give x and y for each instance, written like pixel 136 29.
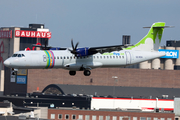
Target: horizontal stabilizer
pixel 160 27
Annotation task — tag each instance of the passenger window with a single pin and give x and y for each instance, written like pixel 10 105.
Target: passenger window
pixel 64 57
pixel 23 55
pixel 70 57
pixel 97 57
pixel 94 57
pixel 113 56
pixel 19 55
pixel 107 56
pixel 61 57
pixel 101 57
pixel 110 56
pixel 57 57
pixel 119 56
pixel 122 56
pixel 104 57
pixel 54 57
pixel 67 57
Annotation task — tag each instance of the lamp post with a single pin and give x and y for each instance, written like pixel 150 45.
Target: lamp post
pixel 115 80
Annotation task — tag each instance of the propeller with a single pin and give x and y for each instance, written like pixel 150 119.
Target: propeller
pixel 73 51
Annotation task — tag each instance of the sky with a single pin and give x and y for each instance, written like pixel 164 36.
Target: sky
pixel 93 23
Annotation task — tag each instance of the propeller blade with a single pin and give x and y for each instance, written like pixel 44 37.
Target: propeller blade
pixel 76 45
pixel 73 51
pixel 72 44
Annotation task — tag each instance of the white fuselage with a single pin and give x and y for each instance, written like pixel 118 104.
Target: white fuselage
pixel 44 59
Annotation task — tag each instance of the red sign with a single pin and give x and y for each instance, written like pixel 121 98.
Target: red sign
pixel 6 34
pixel 33 34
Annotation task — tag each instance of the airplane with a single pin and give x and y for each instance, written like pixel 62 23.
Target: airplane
pixel 88 58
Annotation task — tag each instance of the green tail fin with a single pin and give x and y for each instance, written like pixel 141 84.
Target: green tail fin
pixel 152 40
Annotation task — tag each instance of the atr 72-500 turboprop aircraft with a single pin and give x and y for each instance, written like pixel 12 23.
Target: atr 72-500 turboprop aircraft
pixel 87 58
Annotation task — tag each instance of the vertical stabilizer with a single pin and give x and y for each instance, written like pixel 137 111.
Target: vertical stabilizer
pixel 152 40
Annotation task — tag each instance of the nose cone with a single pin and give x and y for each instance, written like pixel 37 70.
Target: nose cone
pixel 7 63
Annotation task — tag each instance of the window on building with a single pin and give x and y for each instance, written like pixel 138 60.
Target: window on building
pixel 155 119
pixel 59 116
pixel 142 118
pixel 87 117
pixel 162 118
pixel 52 116
pixel 114 118
pixel 120 117
pixel 107 117
pixel 148 118
pixel 134 118
pixel 94 117
pixel 169 119
pixel 80 117
pixel 66 116
pixel 73 117
pixel 100 117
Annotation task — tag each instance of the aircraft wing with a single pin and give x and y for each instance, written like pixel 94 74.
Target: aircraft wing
pixel 106 48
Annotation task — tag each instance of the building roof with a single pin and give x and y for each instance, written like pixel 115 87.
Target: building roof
pixel 117 91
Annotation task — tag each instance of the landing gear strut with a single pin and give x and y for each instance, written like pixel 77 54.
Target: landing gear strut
pixel 87 72
pixel 72 73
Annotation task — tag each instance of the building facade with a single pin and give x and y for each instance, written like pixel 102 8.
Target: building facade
pixel 13 39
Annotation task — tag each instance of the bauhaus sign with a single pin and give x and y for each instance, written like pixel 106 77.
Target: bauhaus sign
pixel 33 34
pixel 170 53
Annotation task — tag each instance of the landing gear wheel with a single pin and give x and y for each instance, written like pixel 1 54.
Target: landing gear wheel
pixel 72 73
pixel 87 73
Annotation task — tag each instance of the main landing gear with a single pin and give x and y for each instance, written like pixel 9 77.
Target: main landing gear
pixel 86 73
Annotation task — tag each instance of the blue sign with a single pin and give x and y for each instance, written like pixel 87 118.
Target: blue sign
pixel 170 53
pixel 21 79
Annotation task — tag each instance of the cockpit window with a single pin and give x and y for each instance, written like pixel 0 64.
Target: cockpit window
pixel 18 55
pixel 14 55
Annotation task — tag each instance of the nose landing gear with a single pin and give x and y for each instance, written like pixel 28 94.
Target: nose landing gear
pixel 72 73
